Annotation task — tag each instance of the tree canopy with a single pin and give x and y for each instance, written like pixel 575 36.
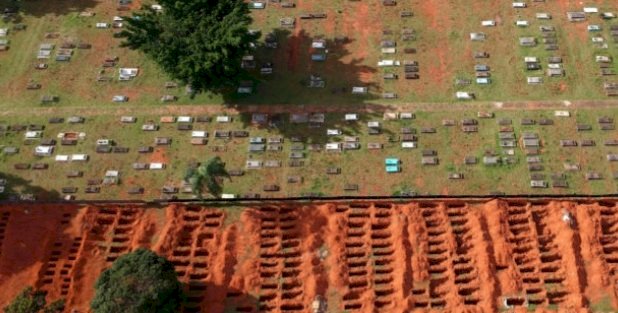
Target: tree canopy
pixel 198 42
pixel 138 282
pixel 207 175
pixel 33 301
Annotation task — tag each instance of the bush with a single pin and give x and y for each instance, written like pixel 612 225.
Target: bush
pixel 138 282
pixel 33 301
pixel 209 175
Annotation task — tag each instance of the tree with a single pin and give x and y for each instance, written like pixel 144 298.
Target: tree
pixel 138 282
pixel 207 175
pixel 55 307
pixel 198 42
pixel 33 301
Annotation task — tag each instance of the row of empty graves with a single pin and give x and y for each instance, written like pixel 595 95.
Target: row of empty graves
pixel 370 257
pixel 191 256
pixel 609 238
pixel 111 234
pixel 393 44
pixel 448 272
pixel 59 264
pixel 536 255
pixel 280 261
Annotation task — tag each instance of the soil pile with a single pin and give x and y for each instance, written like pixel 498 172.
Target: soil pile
pixel 420 256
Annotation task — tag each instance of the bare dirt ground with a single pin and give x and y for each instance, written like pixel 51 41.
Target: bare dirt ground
pixel 360 257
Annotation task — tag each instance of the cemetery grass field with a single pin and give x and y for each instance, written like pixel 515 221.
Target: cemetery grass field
pixel 353 32
pixel 362 167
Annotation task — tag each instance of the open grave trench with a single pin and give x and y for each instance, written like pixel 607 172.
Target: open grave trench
pixel 538 257
pixel 354 256
pixel 280 261
pixel 109 234
pixel 56 275
pixel 114 231
pixel 607 230
pixel 191 255
pixel 369 256
pixel 453 274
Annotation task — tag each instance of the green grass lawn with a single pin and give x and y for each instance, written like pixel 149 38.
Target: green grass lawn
pixel 363 167
pixel 353 32
pixel 444 52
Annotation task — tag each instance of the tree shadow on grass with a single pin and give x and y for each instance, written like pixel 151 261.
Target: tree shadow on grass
pixel 16 186
pixel 288 87
pixel 293 67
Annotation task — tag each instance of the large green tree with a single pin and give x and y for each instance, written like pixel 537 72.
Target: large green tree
pixel 138 282
pixel 33 301
pixel 198 42
pixel 207 176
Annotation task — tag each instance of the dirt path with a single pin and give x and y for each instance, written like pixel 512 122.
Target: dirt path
pixel 361 108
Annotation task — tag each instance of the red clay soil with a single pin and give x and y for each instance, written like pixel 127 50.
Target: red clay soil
pixel 159 155
pixel 438 69
pixel 359 257
pixel 360 24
